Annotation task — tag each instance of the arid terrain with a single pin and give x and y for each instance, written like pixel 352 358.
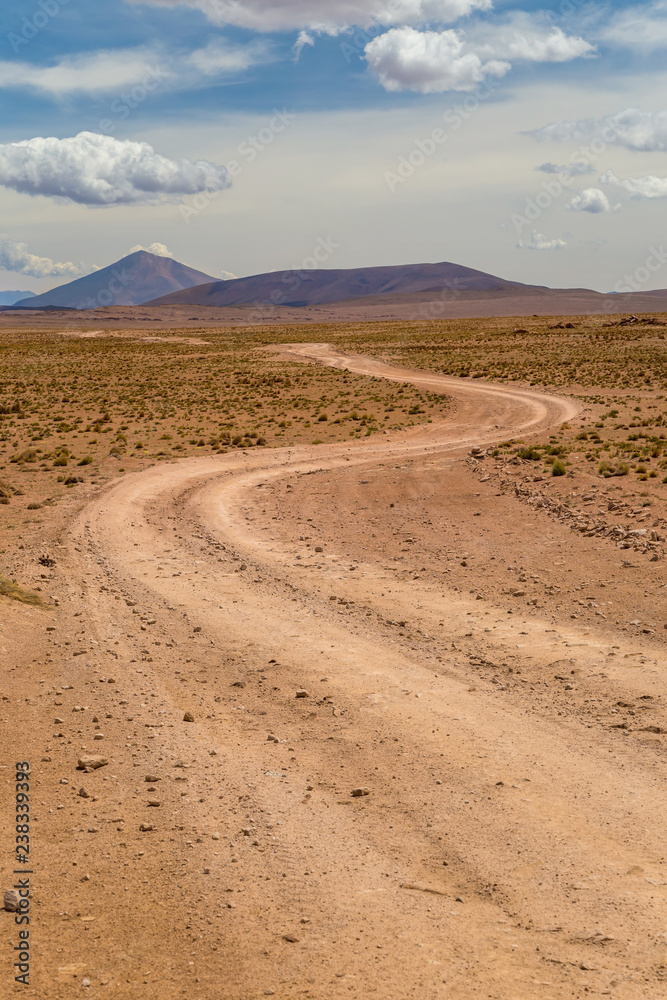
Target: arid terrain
pixel 367 622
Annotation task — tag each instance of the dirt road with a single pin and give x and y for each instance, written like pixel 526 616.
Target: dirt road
pixel 396 784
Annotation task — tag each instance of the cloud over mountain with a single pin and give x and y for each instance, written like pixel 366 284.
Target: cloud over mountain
pixel 92 169
pixel 17 258
pixel 538 241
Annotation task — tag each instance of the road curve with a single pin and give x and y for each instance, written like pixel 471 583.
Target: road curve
pixel 487 850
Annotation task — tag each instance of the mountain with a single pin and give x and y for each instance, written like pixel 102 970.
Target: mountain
pixel 9 298
pixel 319 287
pixel 135 279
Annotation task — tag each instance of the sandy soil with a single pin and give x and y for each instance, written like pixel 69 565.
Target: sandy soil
pixel 377 616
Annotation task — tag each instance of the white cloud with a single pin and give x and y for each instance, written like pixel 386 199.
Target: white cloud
pixel 159 249
pixel 427 61
pixel 538 241
pixel 641 131
pixel 520 36
pixel 148 69
pixel 330 16
pixel 591 200
pixel 15 257
pixel 566 171
pixel 302 41
pixel 91 72
pixel 436 61
pixel 642 27
pixel 93 169
pixel 228 276
pixel 219 57
pixel 641 188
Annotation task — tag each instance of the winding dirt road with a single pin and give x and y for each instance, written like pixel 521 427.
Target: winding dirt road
pixel 501 844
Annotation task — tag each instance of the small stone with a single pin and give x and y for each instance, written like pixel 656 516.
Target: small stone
pixel 84 793
pixel 93 829
pixel 91 763
pixel 98 736
pixel 146 827
pixel 85 982
pixel 12 901
pixel 64 781
pixel 154 802
pixel 59 722
pixel 292 938
pixel 188 717
pixel 357 793
pixel 150 778
pixel 301 693
pixel 318 548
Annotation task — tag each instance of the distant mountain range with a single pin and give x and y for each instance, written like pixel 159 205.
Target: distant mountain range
pixel 9 298
pixel 322 287
pixel 130 282
pixel 408 291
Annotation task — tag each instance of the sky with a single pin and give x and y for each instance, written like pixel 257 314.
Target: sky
pixel 242 136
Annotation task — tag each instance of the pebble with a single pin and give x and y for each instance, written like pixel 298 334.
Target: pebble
pixel 84 793
pixel 358 792
pixel 301 693
pixel 146 827
pixel 91 763
pixel 154 802
pixel 150 778
pixel 12 901
pixel 188 717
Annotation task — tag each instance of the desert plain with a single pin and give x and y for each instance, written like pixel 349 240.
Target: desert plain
pixel 367 622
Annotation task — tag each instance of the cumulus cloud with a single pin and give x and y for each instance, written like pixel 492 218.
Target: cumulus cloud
pixel 642 188
pixel 228 276
pixel 566 170
pixel 331 16
pixel 538 241
pixel 92 169
pixel 436 61
pixel 640 131
pixel 16 257
pixel 159 249
pixel 591 200
pixel 428 61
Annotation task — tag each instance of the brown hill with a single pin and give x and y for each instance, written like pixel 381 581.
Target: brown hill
pixel 324 286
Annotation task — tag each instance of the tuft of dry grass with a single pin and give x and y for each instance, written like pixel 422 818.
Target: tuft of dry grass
pixel 13 590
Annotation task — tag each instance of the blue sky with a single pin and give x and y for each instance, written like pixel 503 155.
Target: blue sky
pixel 235 134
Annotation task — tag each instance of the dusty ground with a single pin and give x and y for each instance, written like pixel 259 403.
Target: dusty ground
pixel 478 644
